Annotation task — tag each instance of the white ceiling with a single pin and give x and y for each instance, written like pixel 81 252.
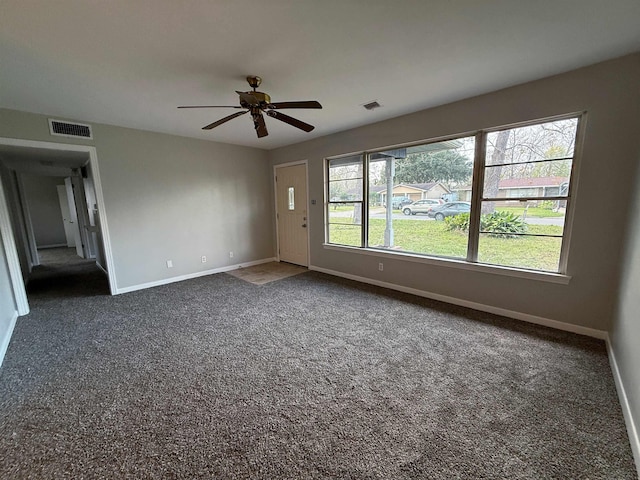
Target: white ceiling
pixel 130 63
pixel 42 161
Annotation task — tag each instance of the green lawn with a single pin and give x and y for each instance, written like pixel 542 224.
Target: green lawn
pixel 432 238
pixel 340 208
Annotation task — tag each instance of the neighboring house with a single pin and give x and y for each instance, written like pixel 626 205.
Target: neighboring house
pixel 415 191
pixel 523 187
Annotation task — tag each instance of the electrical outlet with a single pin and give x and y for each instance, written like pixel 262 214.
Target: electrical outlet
pixel 381 266
pixel 169 264
pixel 230 254
pixel 204 259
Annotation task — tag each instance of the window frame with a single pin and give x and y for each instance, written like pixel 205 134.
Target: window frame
pixel 328 202
pixel 477 197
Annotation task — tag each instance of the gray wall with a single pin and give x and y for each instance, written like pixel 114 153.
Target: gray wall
pixel 42 198
pixel 609 93
pixel 169 197
pixel 625 334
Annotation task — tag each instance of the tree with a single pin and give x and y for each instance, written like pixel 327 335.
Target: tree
pixel 446 166
pixel 492 175
pixel 520 153
pixel 536 142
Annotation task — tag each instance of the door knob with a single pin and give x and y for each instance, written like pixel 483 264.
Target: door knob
pixel 304 225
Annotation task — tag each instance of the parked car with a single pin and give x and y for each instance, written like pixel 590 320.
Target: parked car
pixel 421 206
pixel 449 210
pixel 398 202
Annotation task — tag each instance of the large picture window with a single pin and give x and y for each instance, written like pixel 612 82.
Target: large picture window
pixel 495 197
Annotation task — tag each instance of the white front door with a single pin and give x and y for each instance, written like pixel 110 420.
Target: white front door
pixel 291 214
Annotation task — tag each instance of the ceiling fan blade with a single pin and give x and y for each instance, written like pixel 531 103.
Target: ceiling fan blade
pixel 223 120
pixel 209 106
pixel 290 120
pixel 261 127
pixel 308 104
pixel 248 98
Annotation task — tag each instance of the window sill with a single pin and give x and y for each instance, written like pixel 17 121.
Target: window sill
pixel 452 263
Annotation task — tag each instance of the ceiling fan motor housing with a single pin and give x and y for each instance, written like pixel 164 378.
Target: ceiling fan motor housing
pixel 263 98
pixel 254 81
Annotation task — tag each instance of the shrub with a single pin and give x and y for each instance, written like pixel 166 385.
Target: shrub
pixel 457 222
pixel 501 224
pixel 498 224
pixel 547 204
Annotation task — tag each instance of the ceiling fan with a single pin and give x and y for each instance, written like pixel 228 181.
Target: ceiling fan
pixel 258 102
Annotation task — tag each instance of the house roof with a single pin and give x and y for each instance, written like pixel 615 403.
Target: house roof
pixel 131 64
pixel 425 187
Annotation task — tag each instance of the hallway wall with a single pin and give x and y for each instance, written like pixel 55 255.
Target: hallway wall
pixel 46 217
pixel 170 198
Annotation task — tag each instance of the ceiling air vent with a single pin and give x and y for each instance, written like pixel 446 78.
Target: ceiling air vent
pixel 372 105
pixel 68 129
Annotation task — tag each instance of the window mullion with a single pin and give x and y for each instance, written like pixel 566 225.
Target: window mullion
pixel 525 199
pixel 544 160
pixel 365 206
pixel 577 153
pixel 477 184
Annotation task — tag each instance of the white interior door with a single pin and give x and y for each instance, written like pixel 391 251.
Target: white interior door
pixel 291 205
pixel 82 210
pixel 68 183
pixel 66 216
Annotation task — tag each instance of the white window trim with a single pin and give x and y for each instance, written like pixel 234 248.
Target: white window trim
pixel 560 277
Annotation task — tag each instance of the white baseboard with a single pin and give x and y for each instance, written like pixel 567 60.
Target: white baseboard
pixel 7 337
pixel 568 327
pixel 54 245
pixel 632 431
pixel 189 276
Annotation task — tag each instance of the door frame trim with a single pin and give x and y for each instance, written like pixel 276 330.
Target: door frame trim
pixel 11 254
pixel 26 213
pixel 275 201
pixel 11 250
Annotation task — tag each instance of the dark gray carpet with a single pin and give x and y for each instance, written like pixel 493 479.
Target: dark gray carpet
pixel 307 377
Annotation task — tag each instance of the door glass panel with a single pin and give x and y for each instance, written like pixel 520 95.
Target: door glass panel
pixel 292 201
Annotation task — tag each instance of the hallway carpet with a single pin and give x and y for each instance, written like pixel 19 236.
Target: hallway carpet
pixel 302 378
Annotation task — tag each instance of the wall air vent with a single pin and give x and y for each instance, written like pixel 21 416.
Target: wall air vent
pixel 372 105
pixel 67 129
